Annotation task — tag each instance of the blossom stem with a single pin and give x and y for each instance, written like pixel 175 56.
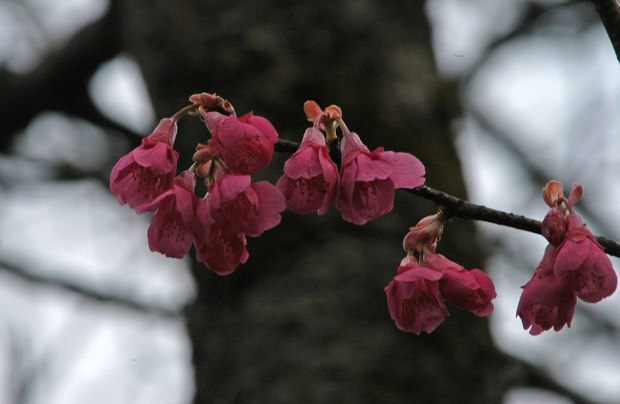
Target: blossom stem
pixel 183 111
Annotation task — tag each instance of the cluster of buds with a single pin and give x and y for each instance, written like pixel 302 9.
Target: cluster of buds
pixel 418 293
pixel 574 266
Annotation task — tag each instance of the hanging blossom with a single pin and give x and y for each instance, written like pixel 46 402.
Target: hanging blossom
pixel 245 143
pixel 368 180
pixel 148 170
pixel 181 220
pixel 574 266
pixel 365 187
pixel 310 180
pixel 417 295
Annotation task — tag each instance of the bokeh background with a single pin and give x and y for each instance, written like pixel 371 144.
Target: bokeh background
pixel 496 97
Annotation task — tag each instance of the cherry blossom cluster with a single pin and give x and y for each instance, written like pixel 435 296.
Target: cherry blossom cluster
pixel 361 185
pixel 573 266
pixel 234 206
pixel 418 293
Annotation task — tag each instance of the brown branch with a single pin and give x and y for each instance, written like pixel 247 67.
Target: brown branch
pixel 609 12
pixel 457 207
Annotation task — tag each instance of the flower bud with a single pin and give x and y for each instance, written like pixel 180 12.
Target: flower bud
pixel 554 227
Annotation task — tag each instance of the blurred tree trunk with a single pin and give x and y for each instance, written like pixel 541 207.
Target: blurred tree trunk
pixel 306 319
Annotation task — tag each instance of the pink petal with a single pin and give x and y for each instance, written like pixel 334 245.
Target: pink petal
pixel 164 132
pixel 407 170
pixel 160 158
pixel 303 164
pixel 415 306
pixel 547 301
pixel 168 235
pixel 222 250
pixel 271 203
pixel 302 196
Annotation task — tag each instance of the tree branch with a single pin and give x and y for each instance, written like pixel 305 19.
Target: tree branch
pixel 457 207
pixel 609 12
pixel 87 292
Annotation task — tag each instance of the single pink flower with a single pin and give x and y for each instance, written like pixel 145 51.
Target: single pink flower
pixel 245 143
pixel 222 249
pixel 177 221
pixel 582 263
pixel 413 297
pixel 243 206
pixel 470 290
pixel 547 301
pixel 310 179
pixel 574 265
pixel 148 170
pixel 368 179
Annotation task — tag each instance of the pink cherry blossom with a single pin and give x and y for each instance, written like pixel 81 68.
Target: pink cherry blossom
pixel 470 290
pixel 177 221
pixel 243 206
pixel 547 301
pixel 574 265
pixel 310 179
pixel 582 263
pixel 222 249
pixel 368 179
pixel 148 170
pixel 414 300
pixel 417 294
pixel 245 143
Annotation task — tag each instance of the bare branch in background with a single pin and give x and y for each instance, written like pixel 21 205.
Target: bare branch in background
pixel 87 292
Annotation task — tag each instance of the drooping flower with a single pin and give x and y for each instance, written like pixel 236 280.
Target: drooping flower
pixel 470 290
pixel 546 301
pixel 413 298
pixel 574 265
pixel 581 262
pixel 310 179
pixel 245 143
pixel 243 206
pixel 222 249
pixel 369 179
pixel 178 219
pixel 148 170
pixel 417 294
